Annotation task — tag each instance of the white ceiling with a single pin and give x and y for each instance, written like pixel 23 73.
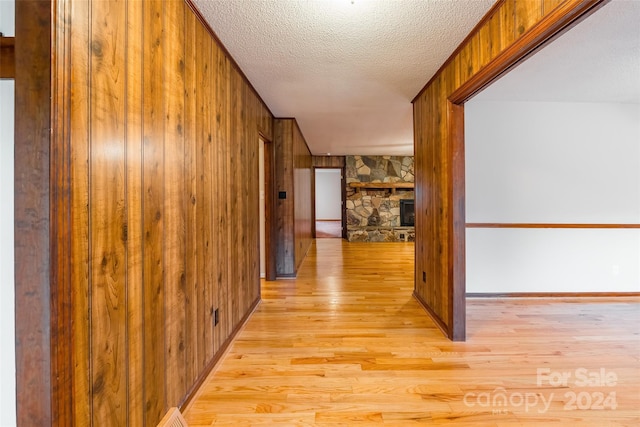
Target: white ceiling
pixel 598 60
pixel 347 71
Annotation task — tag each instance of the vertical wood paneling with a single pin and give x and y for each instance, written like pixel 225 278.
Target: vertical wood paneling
pixel 33 114
pixel 507 15
pixel 61 311
pixel 134 209
pixel 235 201
pixel 107 200
pixel 527 13
pixel 283 141
pixel 210 189
pixel 162 163
pixel 302 167
pixel 225 327
pixel 190 188
pixel 513 29
pixel 174 204
pixel 153 215
pixel 293 175
pixel 80 283
pixel 328 161
pixel 203 220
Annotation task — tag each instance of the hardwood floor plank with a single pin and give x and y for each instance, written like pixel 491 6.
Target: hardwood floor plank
pixel 345 343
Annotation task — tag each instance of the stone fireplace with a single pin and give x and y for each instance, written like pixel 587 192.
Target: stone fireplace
pixel 377 186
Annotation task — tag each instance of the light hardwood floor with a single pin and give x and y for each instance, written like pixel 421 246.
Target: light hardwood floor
pixel 346 344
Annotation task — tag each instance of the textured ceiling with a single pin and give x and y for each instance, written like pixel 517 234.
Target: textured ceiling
pixel 347 71
pixel 598 60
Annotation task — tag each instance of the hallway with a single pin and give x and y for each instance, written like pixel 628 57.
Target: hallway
pixel 346 343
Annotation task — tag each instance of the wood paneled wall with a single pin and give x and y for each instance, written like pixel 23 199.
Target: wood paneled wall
pixel 152 228
pixel 37 292
pixel 510 31
pixel 329 161
pixel 294 213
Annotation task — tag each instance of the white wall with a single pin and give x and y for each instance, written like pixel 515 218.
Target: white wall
pixel 328 194
pixel 7 283
pixel 537 162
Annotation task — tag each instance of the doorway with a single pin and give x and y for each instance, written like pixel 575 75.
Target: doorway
pixel 328 203
pixel 551 207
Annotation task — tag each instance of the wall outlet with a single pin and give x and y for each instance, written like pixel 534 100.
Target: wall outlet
pixel 615 269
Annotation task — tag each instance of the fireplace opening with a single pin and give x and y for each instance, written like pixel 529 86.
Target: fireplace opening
pixel 407 213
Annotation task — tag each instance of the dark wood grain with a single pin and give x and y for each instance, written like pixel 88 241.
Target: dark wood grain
pixel 7 58
pixel 283 140
pixel 174 204
pixel 133 139
pixel 302 196
pixel 293 176
pixel 61 214
pixel 271 230
pixel 33 293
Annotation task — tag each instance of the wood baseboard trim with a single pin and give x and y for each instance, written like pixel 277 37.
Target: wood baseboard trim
pixel 436 319
pixel 550 225
pixel 193 391
pixel 553 295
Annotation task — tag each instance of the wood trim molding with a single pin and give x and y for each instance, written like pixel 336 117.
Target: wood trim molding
pixel 271 229
pixel 7 57
pixel 549 225
pixel 554 295
pixel 37 394
pixel 557 22
pixel 193 391
pixel 456 83
pixel 436 319
pixel 457 282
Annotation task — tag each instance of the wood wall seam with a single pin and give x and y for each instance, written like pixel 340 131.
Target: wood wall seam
pixel 118 205
pixel 213 34
pixel 192 393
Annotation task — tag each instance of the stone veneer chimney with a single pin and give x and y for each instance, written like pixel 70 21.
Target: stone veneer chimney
pixel 373 214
